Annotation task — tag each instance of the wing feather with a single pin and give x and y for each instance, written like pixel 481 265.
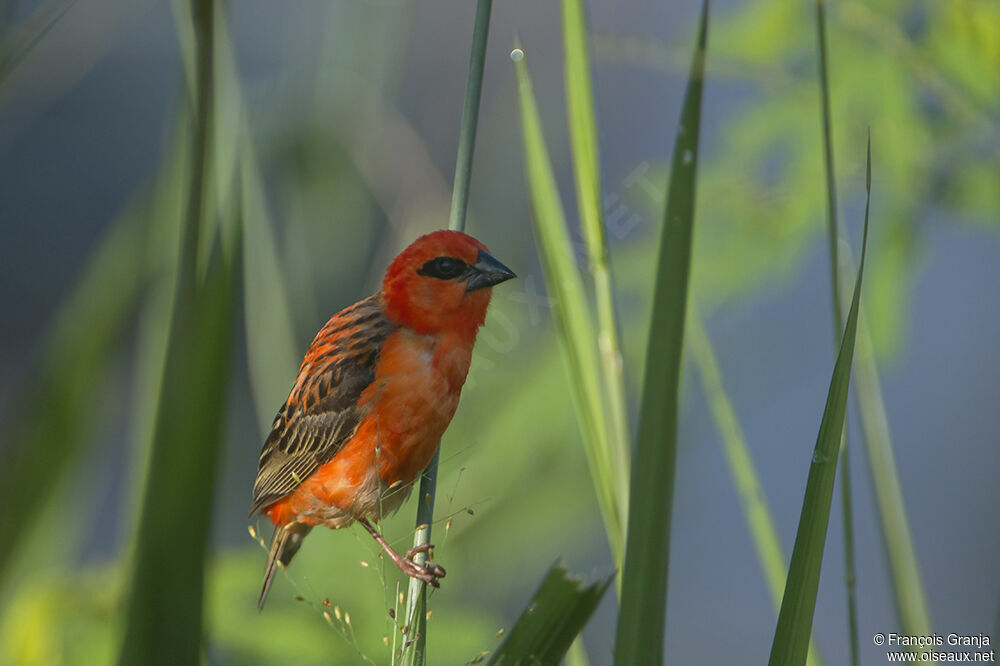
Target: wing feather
pixel 322 410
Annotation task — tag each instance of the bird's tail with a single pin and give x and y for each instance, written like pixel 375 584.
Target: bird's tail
pixel 284 544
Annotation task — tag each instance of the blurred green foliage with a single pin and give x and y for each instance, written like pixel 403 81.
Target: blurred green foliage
pixel 923 75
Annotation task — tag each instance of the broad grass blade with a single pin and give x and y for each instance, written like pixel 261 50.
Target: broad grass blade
pixel 163 610
pixel 791 638
pixel 552 620
pixel 164 606
pixel 642 618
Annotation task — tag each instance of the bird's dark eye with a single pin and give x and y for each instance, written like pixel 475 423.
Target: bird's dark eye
pixel 443 268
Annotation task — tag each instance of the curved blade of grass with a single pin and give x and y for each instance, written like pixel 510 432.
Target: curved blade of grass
pixel 271 355
pixel 756 511
pixel 414 650
pixel 553 618
pixel 570 310
pixel 833 240
pixel 163 610
pixel 642 618
pixel 582 123
pixel 53 424
pixel 791 637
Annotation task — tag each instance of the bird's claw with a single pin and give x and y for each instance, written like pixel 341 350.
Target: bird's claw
pixel 429 572
pixel 436 571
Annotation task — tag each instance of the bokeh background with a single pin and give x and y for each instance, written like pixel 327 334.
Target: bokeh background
pixel 351 109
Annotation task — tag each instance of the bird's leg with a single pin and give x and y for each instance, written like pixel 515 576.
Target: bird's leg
pixel 429 573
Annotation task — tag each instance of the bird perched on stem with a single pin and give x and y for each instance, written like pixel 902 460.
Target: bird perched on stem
pixel 375 392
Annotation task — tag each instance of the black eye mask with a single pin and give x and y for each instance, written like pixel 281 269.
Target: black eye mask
pixel 444 268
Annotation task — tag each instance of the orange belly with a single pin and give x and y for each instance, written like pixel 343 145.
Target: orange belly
pixel 409 405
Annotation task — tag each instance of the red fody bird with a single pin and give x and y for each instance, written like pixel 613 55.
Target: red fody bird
pixel 375 392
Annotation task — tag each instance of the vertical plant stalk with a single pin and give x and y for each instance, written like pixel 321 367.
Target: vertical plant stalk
pixel 415 640
pixel 582 123
pixel 832 226
pixel 757 513
pixel 470 116
pixel 798 604
pixel 414 649
pixel 833 239
pixel 642 619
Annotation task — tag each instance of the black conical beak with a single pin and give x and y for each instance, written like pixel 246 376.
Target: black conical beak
pixel 487 272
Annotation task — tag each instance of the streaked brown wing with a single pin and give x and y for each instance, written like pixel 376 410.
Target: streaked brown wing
pixel 322 411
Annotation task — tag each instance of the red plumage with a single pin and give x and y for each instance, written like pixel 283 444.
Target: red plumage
pixel 375 392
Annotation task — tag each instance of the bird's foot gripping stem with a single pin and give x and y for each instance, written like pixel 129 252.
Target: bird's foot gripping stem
pixel 429 572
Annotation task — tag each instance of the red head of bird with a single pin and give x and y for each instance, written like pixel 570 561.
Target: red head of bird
pixel 442 282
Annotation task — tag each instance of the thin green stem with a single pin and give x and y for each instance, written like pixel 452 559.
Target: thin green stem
pixel 414 645
pixel 833 239
pixel 414 649
pixel 833 235
pixel 470 116
pixel 850 568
